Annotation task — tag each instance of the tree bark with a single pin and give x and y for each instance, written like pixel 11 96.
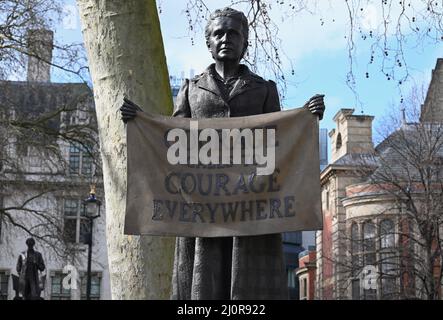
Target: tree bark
pixel 126 57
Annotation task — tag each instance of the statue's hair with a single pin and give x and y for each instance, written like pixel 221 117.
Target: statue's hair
pixel 29 241
pixel 231 13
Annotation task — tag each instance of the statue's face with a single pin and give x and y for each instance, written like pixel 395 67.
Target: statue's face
pixel 226 40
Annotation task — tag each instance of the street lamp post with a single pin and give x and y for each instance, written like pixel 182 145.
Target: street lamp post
pixel 90 202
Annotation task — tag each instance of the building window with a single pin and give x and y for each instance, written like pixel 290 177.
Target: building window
pixel 387 234
pixel 388 260
pixel 1 218
pixel 76 225
pixel 370 294
pixel 57 290
pixel 338 143
pixel 369 243
pixel 327 199
pixel 369 255
pixel 356 261
pixel 355 239
pixel 388 285
pixel 406 256
pixel 356 254
pixel 356 289
pixel 80 160
pixel 4 285
pixel 95 285
pixel 374 247
pixel 303 282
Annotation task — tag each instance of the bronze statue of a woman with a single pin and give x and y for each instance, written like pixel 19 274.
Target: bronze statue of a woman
pixel 247 267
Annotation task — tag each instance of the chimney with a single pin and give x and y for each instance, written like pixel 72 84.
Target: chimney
pixel 403 118
pixel 353 134
pixel 40 45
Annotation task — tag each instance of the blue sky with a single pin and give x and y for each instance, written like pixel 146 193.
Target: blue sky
pixel 318 54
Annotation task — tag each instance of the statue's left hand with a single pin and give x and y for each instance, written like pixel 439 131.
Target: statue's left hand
pixel 316 105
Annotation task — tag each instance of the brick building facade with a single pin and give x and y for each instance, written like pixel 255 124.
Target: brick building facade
pixel 365 249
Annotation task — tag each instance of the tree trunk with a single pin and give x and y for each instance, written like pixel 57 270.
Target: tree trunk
pixel 126 56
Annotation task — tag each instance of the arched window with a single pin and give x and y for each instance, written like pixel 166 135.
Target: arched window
pixel 338 142
pixel 369 237
pixel 356 261
pixel 369 257
pixel 388 262
pixel 387 234
pixel 327 199
pixel 355 239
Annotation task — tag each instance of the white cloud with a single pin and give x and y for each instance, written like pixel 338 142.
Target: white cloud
pixel 369 17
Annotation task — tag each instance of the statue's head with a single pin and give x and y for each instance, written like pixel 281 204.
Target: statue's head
pixel 30 242
pixel 227 34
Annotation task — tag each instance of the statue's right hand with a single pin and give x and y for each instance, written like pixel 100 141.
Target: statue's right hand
pixel 128 110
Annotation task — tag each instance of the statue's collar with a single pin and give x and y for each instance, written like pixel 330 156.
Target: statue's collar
pixel 246 81
pixel 244 74
pixel 243 71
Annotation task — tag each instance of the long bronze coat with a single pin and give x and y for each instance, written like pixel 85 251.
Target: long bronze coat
pixel 28 266
pixel 250 267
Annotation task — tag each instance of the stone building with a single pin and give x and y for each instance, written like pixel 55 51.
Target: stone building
pixel 368 248
pixel 48 159
pixel 351 138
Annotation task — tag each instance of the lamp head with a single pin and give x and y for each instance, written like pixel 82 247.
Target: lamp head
pixel 92 199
